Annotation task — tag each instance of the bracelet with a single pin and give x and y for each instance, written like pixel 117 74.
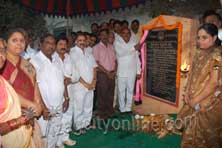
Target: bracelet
pixel 13 124
pixel 9 125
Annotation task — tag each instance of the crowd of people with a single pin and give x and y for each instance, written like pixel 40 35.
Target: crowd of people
pixel 53 87
pixel 48 92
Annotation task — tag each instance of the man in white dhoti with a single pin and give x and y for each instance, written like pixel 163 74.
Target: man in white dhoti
pixel 50 80
pixel 83 90
pixel 128 68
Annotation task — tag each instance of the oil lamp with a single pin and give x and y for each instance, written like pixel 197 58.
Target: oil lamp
pixel 184 69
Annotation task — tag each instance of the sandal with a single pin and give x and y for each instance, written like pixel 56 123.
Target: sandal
pixel 70 142
pixel 82 131
pixel 77 132
pixel 90 127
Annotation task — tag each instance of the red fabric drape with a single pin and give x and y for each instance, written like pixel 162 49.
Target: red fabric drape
pixel 76 7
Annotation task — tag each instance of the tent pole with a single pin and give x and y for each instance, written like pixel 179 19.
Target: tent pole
pixel 67 26
pixel 68 11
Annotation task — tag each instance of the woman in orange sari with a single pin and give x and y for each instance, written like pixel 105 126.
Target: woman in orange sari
pixel 21 75
pixel 203 97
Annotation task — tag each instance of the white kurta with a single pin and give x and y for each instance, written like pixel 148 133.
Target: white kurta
pixel 127 57
pixel 89 50
pixel 68 68
pixel 50 80
pixel 83 98
pixel 135 37
pixel 128 67
pixel 70 71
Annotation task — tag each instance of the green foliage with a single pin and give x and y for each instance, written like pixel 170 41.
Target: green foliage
pixel 13 15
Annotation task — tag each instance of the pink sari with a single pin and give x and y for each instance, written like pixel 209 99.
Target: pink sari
pixel 22 78
pixel 10 109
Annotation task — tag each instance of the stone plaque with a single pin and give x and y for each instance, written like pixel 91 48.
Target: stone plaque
pixel 161 64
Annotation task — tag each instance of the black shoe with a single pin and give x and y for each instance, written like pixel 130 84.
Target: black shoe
pixel 122 114
pixel 138 102
pixel 114 116
pixel 79 132
pixel 90 127
pixel 129 113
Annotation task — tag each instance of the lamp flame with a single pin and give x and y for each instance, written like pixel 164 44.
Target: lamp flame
pixel 185 67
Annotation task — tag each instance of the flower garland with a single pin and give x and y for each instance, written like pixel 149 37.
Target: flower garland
pixel 145 29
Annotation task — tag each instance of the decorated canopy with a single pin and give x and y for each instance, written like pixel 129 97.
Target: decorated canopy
pixel 77 7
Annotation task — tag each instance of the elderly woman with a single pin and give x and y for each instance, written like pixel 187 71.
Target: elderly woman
pixel 203 100
pixel 21 75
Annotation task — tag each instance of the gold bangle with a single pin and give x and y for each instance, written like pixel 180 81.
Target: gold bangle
pixel 13 124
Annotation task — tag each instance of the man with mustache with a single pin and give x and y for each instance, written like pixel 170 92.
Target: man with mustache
pixel 63 61
pixel 128 68
pixel 50 80
pixel 135 33
pixel 83 90
pixel 105 56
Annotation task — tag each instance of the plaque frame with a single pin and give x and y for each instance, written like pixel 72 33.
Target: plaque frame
pixel 163 25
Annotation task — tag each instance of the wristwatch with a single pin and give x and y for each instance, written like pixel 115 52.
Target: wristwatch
pixel 67 98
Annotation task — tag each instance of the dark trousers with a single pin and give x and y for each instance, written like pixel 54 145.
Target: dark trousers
pixel 105 95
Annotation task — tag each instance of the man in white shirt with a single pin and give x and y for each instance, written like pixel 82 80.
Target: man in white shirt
pixel 128 68
pixel 117 26
pixel 63 61
pixel 29 51
pixel 135 34
pixel 83 90
pixel 50 80
pixel 90 42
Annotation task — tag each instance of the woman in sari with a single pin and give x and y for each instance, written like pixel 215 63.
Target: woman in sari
pixel 21 75
pixel 14 134
pixel 203 103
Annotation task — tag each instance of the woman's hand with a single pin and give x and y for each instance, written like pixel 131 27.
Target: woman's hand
pixel 187 98
pixel 45 113
pixel 27 114
pixel 193 102
pixel 37 109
